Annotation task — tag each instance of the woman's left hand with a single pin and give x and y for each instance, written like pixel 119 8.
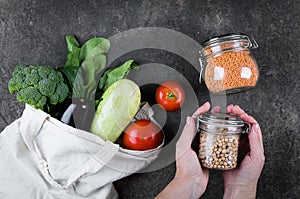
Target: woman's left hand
pixel 190 180
pixel 188 168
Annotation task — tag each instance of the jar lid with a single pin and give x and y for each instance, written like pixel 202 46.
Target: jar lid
pixel 249 42
pixel 225 120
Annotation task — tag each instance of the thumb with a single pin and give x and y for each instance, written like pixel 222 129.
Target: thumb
pixel 256 143
pixel 188 133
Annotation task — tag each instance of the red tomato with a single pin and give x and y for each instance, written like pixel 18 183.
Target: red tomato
pixel 142 135
pixel 170 96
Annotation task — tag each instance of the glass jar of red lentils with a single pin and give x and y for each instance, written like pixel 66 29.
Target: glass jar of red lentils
pixel 227 65
pixel 219 139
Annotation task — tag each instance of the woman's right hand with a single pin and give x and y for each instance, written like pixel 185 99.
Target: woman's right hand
pixel 242 181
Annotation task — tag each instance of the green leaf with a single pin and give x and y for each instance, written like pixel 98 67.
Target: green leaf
pixel 113 75
pixel 78 85
pixel 103 79
pixel 91 67
pixel 72 63
pixel 91 44
pixel 73 52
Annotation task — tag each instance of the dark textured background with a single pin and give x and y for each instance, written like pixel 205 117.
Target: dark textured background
pixel 32 32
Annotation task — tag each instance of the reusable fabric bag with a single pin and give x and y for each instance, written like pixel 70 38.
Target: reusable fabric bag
pixel 40 157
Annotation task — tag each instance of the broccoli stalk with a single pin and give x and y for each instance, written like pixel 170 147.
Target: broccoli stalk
pixel 38 86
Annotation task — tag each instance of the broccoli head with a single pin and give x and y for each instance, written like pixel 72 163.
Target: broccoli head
pixel 38 85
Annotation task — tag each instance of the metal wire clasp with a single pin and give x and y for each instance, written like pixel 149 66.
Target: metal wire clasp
pixel 252 42
pixel 201 66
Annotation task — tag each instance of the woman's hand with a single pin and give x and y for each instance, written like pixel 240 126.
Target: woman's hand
pixel 190 180
pixel 242 181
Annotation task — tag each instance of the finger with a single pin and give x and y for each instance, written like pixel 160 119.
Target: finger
pixel 189 130
pixel 229 108
pixel 203 109
pixel 248 118
pixel 216 109
pixel 188 133
pixel 237 110
pixel 256 143
pixel 253 122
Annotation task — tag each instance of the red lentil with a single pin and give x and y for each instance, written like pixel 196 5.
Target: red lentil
pixel 233 64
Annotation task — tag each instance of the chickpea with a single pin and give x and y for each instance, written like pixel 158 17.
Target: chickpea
pixel 218 151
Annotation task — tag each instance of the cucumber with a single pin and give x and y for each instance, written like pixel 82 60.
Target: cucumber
pixel 120 102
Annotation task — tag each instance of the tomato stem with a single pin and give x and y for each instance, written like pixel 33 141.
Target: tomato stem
pixel 171 95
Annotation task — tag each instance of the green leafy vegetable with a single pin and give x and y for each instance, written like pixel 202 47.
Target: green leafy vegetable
pixel 85 84
pixel 83 69
pixel 113 75
pixel 120 102
pixel 84 65
pixel 73 52
pixel 91 44
pixel 72 63
pixel 38 86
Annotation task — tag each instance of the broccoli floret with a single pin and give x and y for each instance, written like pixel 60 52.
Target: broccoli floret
pixel 44 71
pixel 18 69
pixel 38 85
pixel 47 87
pixel 61 92
pixel 14 85
pixel 32 78
pixel 54 99
pixel 56 76
pixel 32 97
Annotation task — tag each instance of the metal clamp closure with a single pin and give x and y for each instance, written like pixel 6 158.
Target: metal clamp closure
pixel 252 42
pixel 201 66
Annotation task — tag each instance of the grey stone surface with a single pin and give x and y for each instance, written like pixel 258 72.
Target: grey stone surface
pixel 32 32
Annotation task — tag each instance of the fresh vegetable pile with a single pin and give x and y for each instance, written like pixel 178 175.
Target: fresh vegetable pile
pixel 72 94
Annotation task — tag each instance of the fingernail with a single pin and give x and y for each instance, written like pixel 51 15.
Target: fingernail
pixel 188 120
pixel 237 107
pixel 256 128
pixel 205 104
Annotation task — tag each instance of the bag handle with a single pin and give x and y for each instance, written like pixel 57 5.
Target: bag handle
pixel 33 125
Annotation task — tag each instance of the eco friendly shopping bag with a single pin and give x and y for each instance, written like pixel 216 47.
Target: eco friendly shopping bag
pixel 40 157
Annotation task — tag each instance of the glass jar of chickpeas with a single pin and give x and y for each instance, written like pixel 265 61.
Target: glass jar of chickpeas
pixel 219 136
pixel 227 65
